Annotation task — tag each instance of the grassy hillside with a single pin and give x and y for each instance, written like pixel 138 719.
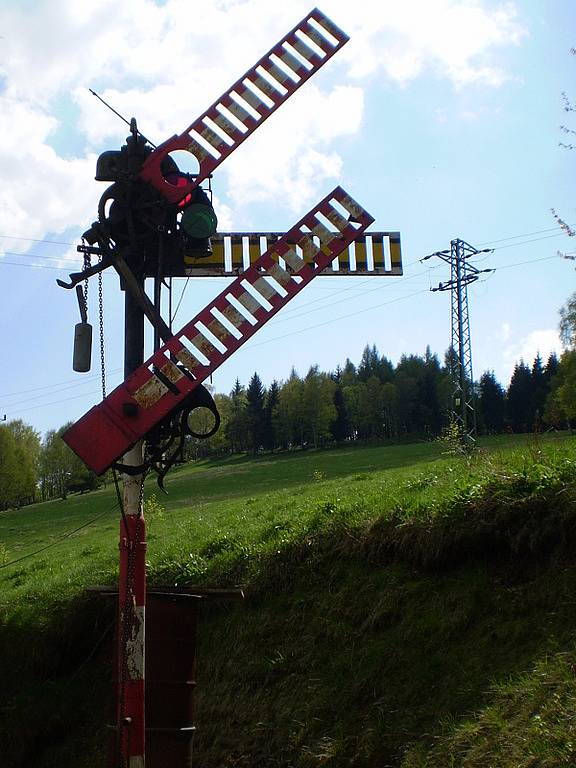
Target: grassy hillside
pixel 404 607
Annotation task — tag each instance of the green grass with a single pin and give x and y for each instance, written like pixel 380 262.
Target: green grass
pixel 389 590
pixel 529 722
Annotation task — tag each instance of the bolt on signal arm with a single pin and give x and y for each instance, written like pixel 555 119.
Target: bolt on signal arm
pixel 158 387
pixel 245 106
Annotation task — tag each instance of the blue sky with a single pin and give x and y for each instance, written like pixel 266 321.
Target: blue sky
pixel 441 117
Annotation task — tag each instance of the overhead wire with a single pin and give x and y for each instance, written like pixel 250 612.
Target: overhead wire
pixel 35 240
pixel 401 298
pixel 56 402
pixel 93 520
pixel 525 242
pixel 341 317
pixel 74 385
pixel 51 386
pixel 516 237
pixel 325 304
pixel 61 242
pixel 59 540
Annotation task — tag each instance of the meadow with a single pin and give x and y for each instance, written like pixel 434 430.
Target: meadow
pixel 399 600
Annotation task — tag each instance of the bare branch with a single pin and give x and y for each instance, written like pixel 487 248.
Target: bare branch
pixel 566 227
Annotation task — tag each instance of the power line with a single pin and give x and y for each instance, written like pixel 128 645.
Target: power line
pixel 516 237
pixel 41 256
pixel 335 319
pixel 31 266
pixel 59 540
pixel 520 263
pixel 533 240
pixel 403 278
pixel 398 280
pixel 35 240
pixel 364 293
pixel 51 386
pixel 62 242
pixel 56 402
pixel 74 385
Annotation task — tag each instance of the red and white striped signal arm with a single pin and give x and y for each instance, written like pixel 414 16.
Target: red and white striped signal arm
pixel 155 389
pixel 245 106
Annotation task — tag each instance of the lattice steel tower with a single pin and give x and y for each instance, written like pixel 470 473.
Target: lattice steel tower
pixel 462 273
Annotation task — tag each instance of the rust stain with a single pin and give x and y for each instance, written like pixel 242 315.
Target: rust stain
pixel 279 274
pixel 264 288
pixel 339 221
pixel 248 301
pixel 356 211
pixel 171 371
pixel 149 394
pixel 293 260
pixel 187 359
pixel 203 345
pixel 235 317
pixel 308 248
pixel 218 330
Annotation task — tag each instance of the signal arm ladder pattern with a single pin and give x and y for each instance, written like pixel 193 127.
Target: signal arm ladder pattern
pixel 250 101
pixel 157 387
pixel 373 253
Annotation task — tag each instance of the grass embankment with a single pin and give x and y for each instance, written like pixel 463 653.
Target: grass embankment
pixel 391 594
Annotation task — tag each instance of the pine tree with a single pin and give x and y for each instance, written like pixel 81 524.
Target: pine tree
pixel 491 404
pixel 551 368
pixel 237 427
pixel 519 399
pixel 255 412
pixel 369 364
pixel 270 434
pixel 340 427
pixel 349 375
pixel 539 391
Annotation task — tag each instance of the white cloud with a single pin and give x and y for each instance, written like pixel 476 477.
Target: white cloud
pixel 287 160
pixel 543 342
pixel 453 38
pixel 503 349
pixel 41 192
pixel 166 63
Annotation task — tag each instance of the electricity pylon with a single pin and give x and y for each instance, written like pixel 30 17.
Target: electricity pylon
pixel 462 273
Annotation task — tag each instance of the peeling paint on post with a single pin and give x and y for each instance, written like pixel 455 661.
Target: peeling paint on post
pixel 130 720
pixel 135 653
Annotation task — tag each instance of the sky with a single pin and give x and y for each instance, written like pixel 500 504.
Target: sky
pixel 441 117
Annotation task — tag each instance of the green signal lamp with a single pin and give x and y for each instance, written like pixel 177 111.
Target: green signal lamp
pixel 199 220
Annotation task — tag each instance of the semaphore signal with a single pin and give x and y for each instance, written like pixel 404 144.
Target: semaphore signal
pixel 156 222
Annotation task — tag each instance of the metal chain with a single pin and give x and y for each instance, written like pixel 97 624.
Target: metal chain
pixel 101 321
pixel 86 266
pixel 141 502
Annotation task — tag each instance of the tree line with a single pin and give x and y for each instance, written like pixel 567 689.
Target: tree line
pixel 376 401
pixel 32 468
pixel 370 401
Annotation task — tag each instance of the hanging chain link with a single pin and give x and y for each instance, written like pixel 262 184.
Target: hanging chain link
pixel 86 266
pixel 101 322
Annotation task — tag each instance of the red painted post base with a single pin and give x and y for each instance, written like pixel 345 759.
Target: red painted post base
pixel 130 706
